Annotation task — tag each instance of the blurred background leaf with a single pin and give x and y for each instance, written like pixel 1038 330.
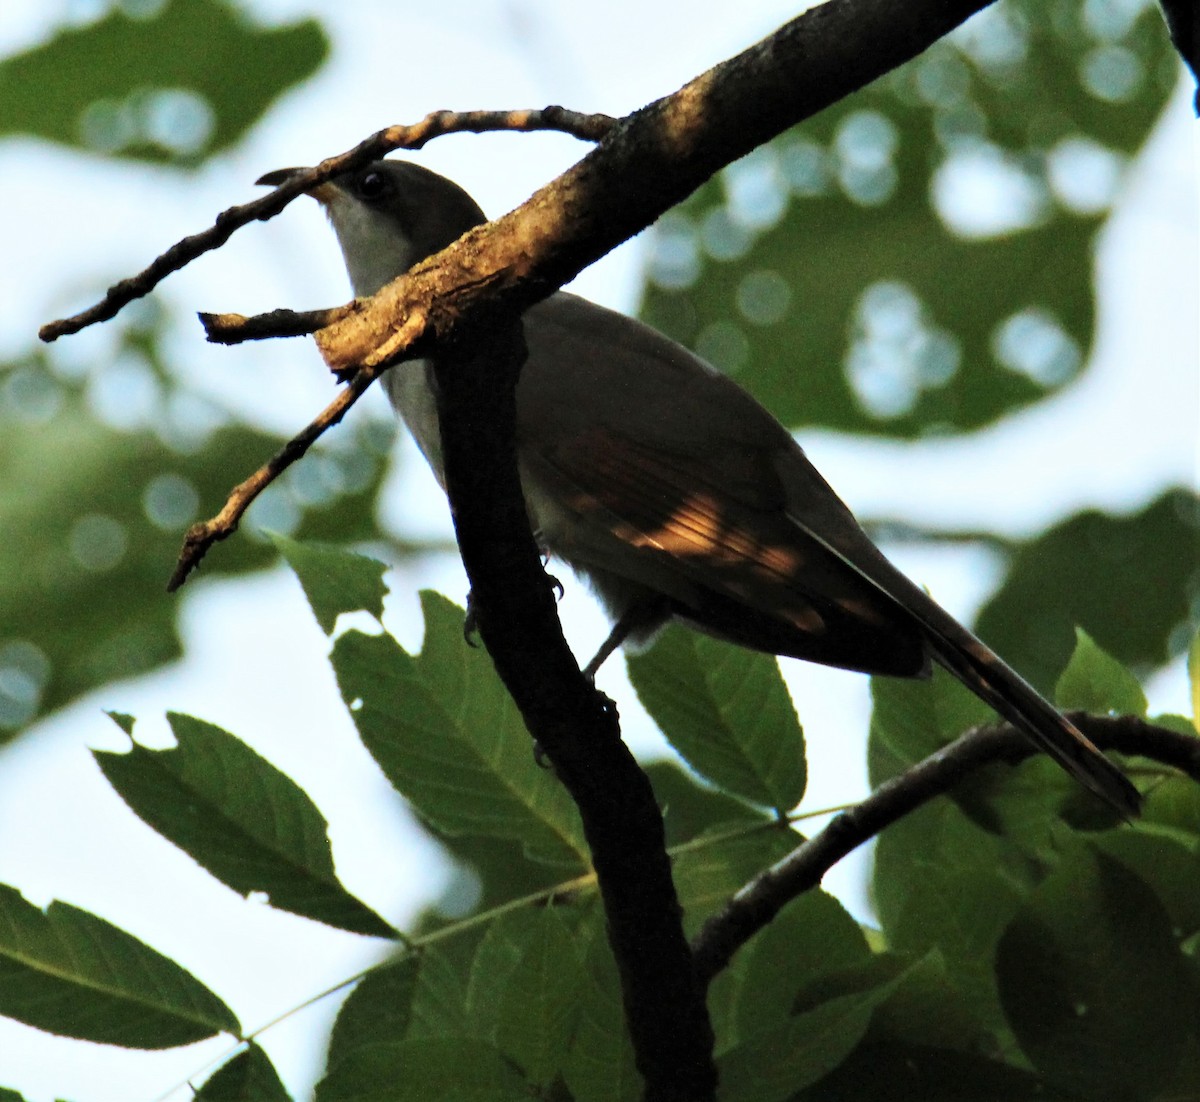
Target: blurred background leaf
pixel 94 515
pixel 917 259
pixel 104 471
pixel 1132 582
pixel 171 82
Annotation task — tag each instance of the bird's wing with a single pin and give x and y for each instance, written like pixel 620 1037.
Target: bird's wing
pixel 661 471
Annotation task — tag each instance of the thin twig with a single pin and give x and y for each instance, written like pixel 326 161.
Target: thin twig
pixel 238 328
pixel 202 535
pixel 759 901
pixel 583 126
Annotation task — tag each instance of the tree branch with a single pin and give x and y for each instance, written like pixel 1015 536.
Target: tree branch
pixel 575 726
pixel 756 904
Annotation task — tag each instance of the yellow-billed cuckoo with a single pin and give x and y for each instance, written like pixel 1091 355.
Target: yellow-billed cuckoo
pixel 674 492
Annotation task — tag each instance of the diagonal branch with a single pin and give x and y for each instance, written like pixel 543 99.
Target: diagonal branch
pixel 654 158
pixel 756 904
pixel 203 534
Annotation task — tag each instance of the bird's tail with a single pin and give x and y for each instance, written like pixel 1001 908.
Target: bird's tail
pixel 1005 690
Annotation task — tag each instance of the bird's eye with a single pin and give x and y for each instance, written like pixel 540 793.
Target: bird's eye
pixel 371 185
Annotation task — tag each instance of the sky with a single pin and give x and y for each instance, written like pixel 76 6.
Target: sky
pixel 65 835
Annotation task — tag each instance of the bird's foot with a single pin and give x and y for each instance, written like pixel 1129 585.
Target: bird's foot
pixel 471 623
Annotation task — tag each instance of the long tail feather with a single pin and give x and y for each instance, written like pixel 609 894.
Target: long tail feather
pixel 1005 690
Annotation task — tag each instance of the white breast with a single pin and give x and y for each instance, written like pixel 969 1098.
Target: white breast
pixel 410 388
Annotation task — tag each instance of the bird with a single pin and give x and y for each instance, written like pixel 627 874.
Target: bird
pixel 673 492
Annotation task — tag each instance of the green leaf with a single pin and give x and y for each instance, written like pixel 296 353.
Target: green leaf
pixel 927 1009
pixel 1174 802
pixel 1187 1075
pixel 378 1009
pixel 1168 866
pixel 523 994
pixel 943 883
pixel 690 809
pixel 66 971
pixel 1193 664
pixel 925 1074
pixel 820 271
pixel 1093 982
pixel 728 712
pixel 123 720
pixel 334 580
pixel 93 520
pixel 600 1065
pixel 719 862
pixel 449 738
pixel 811 937
pixel 420 996
pixel 912 719
pixel 242 819
pixel 772 1066
pixel 453 1069
pixel 497 959
pixel 248 1077
pixel 1127 580
pixel 439 1000
pixel 137 85
pixel 1096 682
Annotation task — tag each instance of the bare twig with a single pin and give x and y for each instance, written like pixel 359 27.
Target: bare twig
pixel 756 904
pixel 238 328
pixel 202 535
pixel 435 124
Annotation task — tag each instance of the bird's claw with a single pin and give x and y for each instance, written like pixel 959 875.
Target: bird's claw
pixel 471 623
